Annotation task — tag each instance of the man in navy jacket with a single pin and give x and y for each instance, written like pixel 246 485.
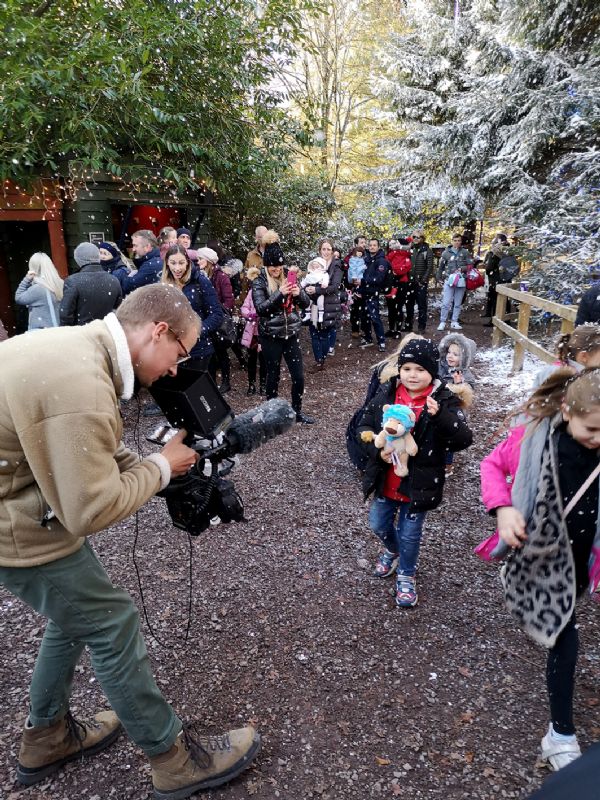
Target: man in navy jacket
pixel 146 257
pixel 373 284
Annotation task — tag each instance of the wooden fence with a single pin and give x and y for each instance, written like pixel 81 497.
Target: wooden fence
pixel 520 334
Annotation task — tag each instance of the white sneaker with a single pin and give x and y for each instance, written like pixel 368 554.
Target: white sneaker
pixel 441 326
pixel 456 326
pixel 559 754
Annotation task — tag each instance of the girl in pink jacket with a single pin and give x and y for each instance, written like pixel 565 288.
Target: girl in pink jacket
pixel 542 485
pixel 250 339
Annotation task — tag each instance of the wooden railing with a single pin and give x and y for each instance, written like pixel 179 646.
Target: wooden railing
pixel 520 334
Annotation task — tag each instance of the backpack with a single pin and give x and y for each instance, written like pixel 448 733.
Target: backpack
pixel 509 268
pixel 357 456
pixel 474 278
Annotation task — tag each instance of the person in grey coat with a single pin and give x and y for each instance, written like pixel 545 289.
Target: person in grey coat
pixel 41 290
pixel 90 293
pixel 454 263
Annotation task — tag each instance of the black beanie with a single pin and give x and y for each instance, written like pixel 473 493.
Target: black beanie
pixel 422 352
pixel 181 231
pixel 273 255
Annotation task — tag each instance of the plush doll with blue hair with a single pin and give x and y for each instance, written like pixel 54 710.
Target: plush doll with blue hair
pixel 395 437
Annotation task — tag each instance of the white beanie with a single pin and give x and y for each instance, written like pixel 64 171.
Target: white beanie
pixel 208 254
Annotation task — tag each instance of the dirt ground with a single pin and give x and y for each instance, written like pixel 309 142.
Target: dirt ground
pixel 290 631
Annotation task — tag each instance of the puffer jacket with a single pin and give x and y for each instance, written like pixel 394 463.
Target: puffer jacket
pixel 435 436
pixel 203 299
pixel 149 269
pixel 453 260
pixel 274 321
pixel 422 263
pixel 332 308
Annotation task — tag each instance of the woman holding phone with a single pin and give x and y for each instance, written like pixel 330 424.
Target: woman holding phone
pixel 323 332
pixel 277 298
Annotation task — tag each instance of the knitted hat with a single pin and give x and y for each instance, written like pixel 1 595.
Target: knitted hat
pixel 422 352
pixel 86 253
pixel 208 254
pixel 273 254
pixel 110 247
pixel 182 231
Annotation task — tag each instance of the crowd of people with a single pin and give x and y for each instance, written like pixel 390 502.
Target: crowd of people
pixel 116 322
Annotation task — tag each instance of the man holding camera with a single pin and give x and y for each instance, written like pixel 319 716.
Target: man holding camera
pixel 64 474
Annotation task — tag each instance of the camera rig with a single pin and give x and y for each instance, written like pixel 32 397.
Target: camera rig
pixel 191 400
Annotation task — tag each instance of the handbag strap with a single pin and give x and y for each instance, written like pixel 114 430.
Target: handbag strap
pixel 52 309
pixel 582 490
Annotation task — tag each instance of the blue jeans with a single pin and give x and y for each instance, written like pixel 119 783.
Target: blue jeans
pixel 321 341
pixel 370 314
pixel 399 531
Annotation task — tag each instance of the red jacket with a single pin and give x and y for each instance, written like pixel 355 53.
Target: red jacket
pixel 401 264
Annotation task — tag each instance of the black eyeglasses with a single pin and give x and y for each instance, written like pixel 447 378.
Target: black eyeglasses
pixel 187 356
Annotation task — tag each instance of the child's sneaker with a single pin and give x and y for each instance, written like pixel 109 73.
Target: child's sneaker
pixel 406 592
pixel 561 752
pixel 456 326
pixel 386 564
pixel 382 347
pixel 366 343
pixel 441 326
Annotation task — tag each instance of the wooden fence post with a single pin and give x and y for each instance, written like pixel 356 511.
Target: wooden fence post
pixel 500 313
pixel 522 327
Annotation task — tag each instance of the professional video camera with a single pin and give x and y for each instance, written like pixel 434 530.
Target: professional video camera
pixel 191 400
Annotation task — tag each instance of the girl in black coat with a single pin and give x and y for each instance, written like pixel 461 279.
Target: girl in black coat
pixel 276 301
pixel 399 506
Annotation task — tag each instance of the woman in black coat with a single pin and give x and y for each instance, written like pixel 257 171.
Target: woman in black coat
pixel 323 335
pixel 276 301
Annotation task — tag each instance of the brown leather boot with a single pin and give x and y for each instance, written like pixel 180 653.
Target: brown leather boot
pixel 45 750
pixel 198 762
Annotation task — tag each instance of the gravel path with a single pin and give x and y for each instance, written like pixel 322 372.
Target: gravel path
pixel 354 698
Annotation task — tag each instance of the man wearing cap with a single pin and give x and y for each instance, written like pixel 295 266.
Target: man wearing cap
pixel 146 257
pixel 90 293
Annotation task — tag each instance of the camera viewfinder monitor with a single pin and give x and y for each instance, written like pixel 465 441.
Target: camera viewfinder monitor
pixel 191 400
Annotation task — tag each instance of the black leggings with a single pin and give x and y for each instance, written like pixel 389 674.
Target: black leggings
pixel 273 350
pixel 560 678
pixel 220 361
pixel 254 357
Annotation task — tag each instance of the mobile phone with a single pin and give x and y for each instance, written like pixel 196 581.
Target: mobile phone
pixel 292 277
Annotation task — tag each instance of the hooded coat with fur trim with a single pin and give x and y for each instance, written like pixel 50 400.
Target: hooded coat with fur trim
pixel 467 348
pixel 435 436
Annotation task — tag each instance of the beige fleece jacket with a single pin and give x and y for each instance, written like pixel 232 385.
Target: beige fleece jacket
pixel 60 444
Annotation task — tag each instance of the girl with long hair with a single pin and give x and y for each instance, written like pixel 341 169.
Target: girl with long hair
pixel 41 290
pixel 277 299
pixel 542 484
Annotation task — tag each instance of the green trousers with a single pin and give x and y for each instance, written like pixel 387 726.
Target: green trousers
pixel 84 609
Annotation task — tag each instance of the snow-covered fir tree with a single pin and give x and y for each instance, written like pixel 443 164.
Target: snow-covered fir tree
pixel 501 107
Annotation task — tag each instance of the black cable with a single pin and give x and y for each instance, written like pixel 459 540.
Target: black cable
pixel 157 639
